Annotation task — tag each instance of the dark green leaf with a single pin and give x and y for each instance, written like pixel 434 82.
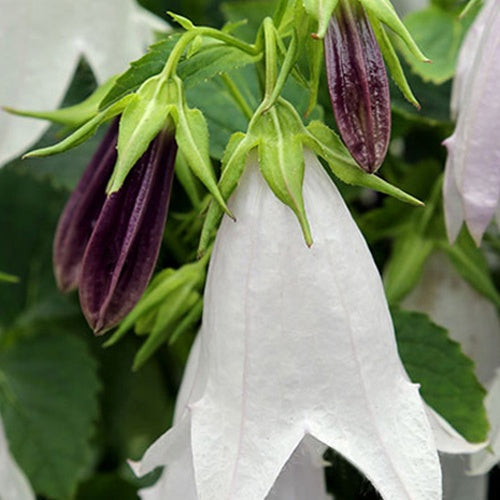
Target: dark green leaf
pixel 445 373
pixel 48 401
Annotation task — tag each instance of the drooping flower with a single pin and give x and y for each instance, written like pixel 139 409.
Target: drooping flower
pixel 13 482
pixel 302 477
pixel 107 245
pixel 296 343
pixel 473 321
pixel 358 85
pixel 472 176
pixel 38 61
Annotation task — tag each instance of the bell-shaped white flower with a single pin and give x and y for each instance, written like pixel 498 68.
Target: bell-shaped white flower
pixel 472 177
pixel 41 44
pixel 13 482
pixel 302 477
pixel 296 342
pixel 473 321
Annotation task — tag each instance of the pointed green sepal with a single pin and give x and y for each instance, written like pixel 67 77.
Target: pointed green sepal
pixel 281 158
pixel 183 21
pixel 140 123
pixel 72 116
pixel 187 179
pixel 325 143
pixel 168 317
pixel 321 11
pixel 191 134
pixel 8 278
pixel 87 130
pixel 392 60
pixel 384 11
pixel 161 289
pixel 233 164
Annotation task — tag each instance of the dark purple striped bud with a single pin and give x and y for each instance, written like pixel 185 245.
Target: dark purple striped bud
pixel 358 85
pixel 81 212
pixel 122 251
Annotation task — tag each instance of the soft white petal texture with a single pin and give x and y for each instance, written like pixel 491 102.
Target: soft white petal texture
pixel 457 484
pixel 299 342
pixel 448 440
pixel 13 482
pixel 482 462
pixel 302 477
pixel 41 43
pixel 473 165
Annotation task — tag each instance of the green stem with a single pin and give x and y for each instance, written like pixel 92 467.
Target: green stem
pixel 176 54
pixel 271 57
pixel 237 96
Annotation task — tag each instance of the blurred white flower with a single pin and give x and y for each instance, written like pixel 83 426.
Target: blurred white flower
pixel 13 483
pixel 472 177
pixel 473 321
pixel 41 44
pixel 296 343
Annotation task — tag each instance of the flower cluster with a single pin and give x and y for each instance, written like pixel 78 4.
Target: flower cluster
pixel 107 245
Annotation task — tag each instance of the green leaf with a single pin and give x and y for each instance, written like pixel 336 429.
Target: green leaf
pixel 384 11
pixel 321 11
pixel 444 372
pixel 141 121
pixel 213 60
pixel 469 261
pixel 221 111
pixel 86 131
pixel 404 267
pixel 439 33
pixel 141 70
pixel 434 100
pixel 48 401
pixel 253 11
pixel 325 143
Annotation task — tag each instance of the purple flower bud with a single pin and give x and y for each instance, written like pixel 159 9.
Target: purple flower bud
pixel 81 212
pixel 123 248
pixel 358 85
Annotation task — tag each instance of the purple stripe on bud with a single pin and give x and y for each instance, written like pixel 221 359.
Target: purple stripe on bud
pixel 121 254
pixel 358 85
pixel 81 212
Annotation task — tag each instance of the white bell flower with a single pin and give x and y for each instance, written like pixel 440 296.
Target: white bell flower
pixel 473 321
pixel 296 343
pixel 472 177
pixel 41 43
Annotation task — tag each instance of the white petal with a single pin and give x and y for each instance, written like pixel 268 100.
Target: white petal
pixel 300 341
pixel 13 482
pixel 469 317
pixel 485 460
pixel 448 440
pixel 303 476
pixel 457 485
pixel 475 149
pixel 40 46
pixel 453 208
